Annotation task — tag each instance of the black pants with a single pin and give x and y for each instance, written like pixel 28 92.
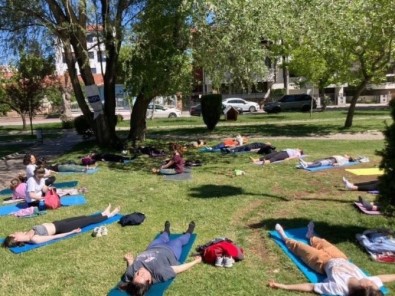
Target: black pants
pixel 368 186
pixel 69 224
pixel 275 156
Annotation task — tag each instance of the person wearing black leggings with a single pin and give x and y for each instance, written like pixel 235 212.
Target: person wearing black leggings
pixel 49 231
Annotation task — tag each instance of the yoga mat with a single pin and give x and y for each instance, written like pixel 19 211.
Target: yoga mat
pixel 178 177
pixel 208 149
pixel 29 247
pixel 327 167
pixel 280 161
pixel 299 234
pixel 68 200
pixel 364 210
pixel 67 184
pixel 88 171
pixel 158 289
pixel 366 172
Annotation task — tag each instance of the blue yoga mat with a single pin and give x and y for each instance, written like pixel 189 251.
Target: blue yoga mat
pixel 327 167
pixel 68 200
pixel 29 247
pixel 88 171
pixel 299 234
pixel 158 289
pixel 67 184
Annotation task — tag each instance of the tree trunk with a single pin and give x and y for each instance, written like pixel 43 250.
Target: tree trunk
pixel 285 75
pixel 355 97
pixel 23 117
pixel 138 124
pixel 321 94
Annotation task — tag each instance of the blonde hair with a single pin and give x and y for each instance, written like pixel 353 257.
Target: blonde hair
pixel 14 183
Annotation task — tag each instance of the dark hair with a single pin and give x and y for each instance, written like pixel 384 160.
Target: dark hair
pixel 176 147
pixel 364 291
pixel 350 159
pixel 39 170
pixel 136 289
pixel 10 242
pixel 301 152
pixel 27 158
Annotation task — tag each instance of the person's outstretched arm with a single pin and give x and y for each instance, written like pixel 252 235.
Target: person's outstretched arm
pixel 128 258
pixel 304 287
pixel 183 267
pixel 38 239
pixel 386 278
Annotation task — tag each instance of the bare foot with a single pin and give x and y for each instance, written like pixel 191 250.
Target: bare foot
pixel 114 212
pixel 348 184
pixel 106 212
pixel 310 230
pixel 254 159
pixel 281 232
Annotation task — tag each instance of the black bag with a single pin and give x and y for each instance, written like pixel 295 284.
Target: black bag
pixel 135 218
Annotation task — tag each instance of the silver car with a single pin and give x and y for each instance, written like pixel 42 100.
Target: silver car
pixel 241 104
pixel 160 111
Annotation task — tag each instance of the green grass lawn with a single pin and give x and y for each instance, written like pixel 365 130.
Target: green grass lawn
pixel 242 208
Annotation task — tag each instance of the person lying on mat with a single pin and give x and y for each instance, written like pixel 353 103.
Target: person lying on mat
pixel 18 189
pixel 278 155
pixel 31 163
pixel 265 148
pixel 334 160
pixel 158 263
pixel 56 229
pixel 35 187
pixel 343 277
pixel 362 186
pixel 229 143
pixel 175 165
pixel 370 206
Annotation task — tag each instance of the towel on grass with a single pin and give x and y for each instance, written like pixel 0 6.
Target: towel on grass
pixel 158 289
pixel 29 247
pixel 68 200
pixel 88 171
pixel 299 234
pixel 366 172
pixel 327 167
pixel 365 210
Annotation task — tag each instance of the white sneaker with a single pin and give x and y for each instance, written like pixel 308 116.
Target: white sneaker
pixel 228 262
pixel 103 230
pixel 219 261
pixel 96 232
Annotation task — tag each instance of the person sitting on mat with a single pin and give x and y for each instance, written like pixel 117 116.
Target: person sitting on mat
pixel 175 165
pixel 278 155
pixel 158 263
pixel 35 187
pixel 56 229
pixel 343 277
pixel 370 206
pixel 362 186
pixel 334 160
pixel 31 163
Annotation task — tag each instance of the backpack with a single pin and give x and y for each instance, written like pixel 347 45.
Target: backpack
pixel 220 247
pixel 52 199
pixel 135 218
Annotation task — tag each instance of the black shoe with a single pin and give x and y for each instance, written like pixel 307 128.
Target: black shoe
pixel 191 227
pixel 167 227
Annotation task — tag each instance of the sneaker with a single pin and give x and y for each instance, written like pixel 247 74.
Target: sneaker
pixel 228 262
pixel 219 261
pixel 96 232
pixel 103 230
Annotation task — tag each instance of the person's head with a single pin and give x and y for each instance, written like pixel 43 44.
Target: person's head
pixel 201 142
pixel 16 239
pixel 142 281
pixel 39 172
pixel 176 148
pixel 29 158
pixel 239 140
pixel 364 287
pixel 301 151
pixel 14 183
pixel 350 159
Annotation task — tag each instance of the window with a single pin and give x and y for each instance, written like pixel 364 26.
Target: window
pixel 91 55
pixel 93 70
pixel 89 38
pixel 101 56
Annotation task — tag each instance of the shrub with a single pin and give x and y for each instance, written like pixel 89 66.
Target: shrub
pixel 211 110
pixel 82 125
pixel 387 184
pixel 67 122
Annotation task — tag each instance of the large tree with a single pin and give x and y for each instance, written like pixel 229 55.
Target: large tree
pixel 67 21
pixel 159 62
pixel 24 90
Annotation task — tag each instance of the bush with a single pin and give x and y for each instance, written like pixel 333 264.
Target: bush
pixel 387 184
pixel 119 118
pixel 67 122
pixel 82 125
pixel 211 110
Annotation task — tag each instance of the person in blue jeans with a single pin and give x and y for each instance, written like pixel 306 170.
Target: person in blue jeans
pixel 158 263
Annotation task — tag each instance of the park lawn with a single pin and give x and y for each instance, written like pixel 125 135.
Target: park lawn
pixel 242 208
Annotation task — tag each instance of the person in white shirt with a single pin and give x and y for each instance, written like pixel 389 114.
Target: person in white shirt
pixel 35 187
pixel 343 277
pixel 31 163
pixel 334 160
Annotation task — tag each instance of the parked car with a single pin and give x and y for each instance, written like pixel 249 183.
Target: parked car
pixel 240 104
pixel 162 111
pixel 300 102
pixel 195 110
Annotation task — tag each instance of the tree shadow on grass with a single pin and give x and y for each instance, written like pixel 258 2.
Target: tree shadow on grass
pixel 219 191
pixel 334 233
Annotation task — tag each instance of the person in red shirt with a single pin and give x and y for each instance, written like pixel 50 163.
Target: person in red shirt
pixel 175 165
